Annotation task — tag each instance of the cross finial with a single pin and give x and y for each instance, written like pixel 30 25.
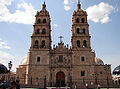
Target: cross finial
pixel 78 1
pixel 44 5
pixel 44 1
pixel 79 5
pixel 61 39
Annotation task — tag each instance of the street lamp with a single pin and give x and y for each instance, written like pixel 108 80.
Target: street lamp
pixel 83 82
pixel 9 66
pixel 37 81
pixel 24 75
pixel 45 82
pixel 70 82
pixel 95 76
pixel 31 80
pixel 106 68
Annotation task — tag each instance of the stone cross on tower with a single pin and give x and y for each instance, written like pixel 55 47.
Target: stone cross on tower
pixel 61 39
pixel 79 5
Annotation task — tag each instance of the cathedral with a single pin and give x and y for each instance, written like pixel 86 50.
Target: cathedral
pixel 61 65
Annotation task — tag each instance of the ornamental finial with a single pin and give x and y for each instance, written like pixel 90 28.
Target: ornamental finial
pixel 79 5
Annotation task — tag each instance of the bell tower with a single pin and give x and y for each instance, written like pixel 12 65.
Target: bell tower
pixel 80 30
pixel 40 47
pixel 41 37
pixel 82 54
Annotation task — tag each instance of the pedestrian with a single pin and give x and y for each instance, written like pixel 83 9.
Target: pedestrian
pixel 13 85
pixel 98 86
pixel 2 87
pixel 17 84
pixel 86 86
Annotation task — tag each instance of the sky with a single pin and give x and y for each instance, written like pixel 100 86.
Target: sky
pixel 18 16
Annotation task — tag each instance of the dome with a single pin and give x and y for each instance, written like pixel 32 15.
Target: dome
pixel 3 69
pixel 116 71
pixel 25 61
pixel 98 61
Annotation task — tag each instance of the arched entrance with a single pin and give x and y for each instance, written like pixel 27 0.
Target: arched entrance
pixel 60 79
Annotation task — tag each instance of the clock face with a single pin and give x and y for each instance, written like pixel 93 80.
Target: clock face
pixel 80 31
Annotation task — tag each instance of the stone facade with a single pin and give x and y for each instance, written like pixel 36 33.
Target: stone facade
pixel 62 65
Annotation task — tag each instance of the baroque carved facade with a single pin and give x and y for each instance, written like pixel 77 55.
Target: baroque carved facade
pixel 61 65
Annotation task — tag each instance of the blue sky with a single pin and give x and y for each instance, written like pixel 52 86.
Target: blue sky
pixel 17 19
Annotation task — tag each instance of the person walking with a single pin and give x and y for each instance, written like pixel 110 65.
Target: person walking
pixel 98 86
pixel 13 85
pixel 17 84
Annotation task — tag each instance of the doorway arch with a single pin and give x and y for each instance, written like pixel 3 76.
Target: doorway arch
pixel 60 79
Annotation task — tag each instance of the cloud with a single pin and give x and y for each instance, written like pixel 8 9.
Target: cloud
pixel 5 58
pixel 6 2
pixel 55 25
pixel 3 45
pixel 66 1
pixel 67 7
pixel 19 16
pixel 100 12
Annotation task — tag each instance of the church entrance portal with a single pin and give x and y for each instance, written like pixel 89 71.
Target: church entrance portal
pixel 60 79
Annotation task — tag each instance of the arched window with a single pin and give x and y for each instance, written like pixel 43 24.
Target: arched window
pixel 84 44
pixel 82 58
pixel 38 21
pixel 43 31
pixel 36 44
pixel 84 30
pixel 44 21
pixel 38 59
pixel 77 20
pixel 83 20
pixel 78 30
pixel 43 44
pixel 78 44
pixel 82 73
pixel 60 58
pixel 38 31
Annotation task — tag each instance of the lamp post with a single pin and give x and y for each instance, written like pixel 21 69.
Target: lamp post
pixel 83 82
pixel 45 82
pixel 95 76
pixel 24 75
pixel 37 81
pixel 9 66
pixel 31 80
pixel 70 82
pixel 106 68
